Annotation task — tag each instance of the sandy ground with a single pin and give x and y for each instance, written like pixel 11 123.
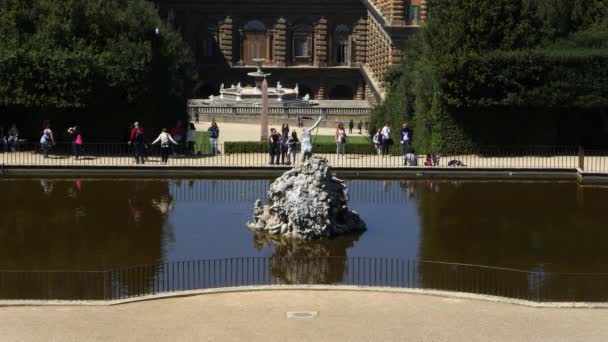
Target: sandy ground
pixel 251 132
pixel 342 316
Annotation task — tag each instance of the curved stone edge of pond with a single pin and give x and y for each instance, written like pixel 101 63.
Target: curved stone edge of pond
pixel 190 293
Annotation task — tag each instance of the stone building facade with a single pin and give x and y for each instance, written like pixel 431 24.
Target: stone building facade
pixel 333 49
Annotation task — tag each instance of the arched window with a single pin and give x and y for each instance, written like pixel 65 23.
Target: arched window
pixel 254 26
pixel 302 44
pixel 341 45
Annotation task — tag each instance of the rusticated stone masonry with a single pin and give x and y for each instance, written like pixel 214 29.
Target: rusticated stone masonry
pixel 321 42
pixel 280 42
pixel 360 33
pixel 226 39
pixel 379 51
pixel 424 10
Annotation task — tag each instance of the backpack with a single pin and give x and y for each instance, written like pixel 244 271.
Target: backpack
pixel 139 137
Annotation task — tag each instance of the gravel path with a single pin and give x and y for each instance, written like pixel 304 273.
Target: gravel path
pixel 342 316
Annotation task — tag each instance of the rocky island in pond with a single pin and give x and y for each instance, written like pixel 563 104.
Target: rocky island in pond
pixel 307 203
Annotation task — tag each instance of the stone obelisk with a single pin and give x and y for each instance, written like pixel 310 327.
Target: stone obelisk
pixel 264 112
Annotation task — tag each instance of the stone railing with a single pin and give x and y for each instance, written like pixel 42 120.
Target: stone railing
pixel 252 114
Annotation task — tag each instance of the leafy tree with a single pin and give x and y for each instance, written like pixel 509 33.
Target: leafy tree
pixel 483 69
pixel 72 60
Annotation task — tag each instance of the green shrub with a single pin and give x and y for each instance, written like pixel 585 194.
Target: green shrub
pixel 232 147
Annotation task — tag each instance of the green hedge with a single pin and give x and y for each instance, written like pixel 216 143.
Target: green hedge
pixel 231 147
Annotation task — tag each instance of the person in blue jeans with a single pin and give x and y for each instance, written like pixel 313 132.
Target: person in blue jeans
pixel 214 136
pixel 274 146
pixel 138 142
pixel 284 148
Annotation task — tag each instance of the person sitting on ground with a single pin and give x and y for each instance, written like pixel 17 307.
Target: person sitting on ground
pixel 378 142
pixel 411 159
pixel 214 136
pixel 455 163
pixel 431 160
pixel 292 145
pixel 307 140
pixel 13 138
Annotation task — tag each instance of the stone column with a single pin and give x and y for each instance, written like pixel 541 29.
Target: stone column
pixel 321 43
pixel 264 112
pixel 360 41
pixel 360 91
pixel 321 92
pixel 280 42
pixel 397 13
pixel 241 47
pixel 269 55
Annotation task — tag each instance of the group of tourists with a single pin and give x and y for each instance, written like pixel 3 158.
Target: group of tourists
pixel 176 141
pixel 284 146
pixel 383 141
pixel 179 140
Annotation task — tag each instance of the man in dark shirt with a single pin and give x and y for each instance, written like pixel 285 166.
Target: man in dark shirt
pixel 274 146
pixel 137 141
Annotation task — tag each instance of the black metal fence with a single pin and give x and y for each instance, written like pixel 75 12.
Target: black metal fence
pixel 108 154
pixel 537 286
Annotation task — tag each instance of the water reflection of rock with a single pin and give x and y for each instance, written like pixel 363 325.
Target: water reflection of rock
pixel 307 262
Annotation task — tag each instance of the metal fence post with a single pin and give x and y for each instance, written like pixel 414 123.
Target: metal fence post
pixel 581 158
pixel 105 285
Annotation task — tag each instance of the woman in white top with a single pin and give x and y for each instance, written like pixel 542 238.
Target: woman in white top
pixel 386 139
pixel 340 139
pixel 165 139
pixel 307 140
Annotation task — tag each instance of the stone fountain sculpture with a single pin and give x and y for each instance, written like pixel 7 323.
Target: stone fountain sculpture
pixel 307 203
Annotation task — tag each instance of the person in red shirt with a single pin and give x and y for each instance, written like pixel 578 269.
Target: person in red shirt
pixel 137 141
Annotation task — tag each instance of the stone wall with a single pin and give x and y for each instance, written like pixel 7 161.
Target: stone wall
pixel 224 33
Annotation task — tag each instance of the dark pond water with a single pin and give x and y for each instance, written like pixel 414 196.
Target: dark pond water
pixel 88 224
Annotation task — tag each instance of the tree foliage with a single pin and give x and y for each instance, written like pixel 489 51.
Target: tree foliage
pixel 495 60
pixel 79 56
